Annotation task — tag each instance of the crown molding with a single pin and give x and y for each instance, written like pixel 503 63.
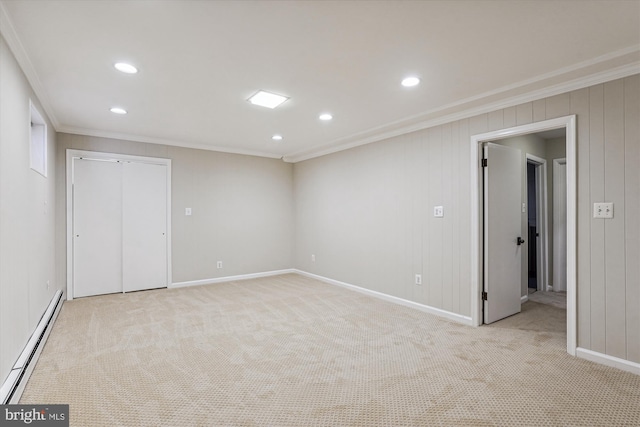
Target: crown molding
pixel 483 103
pixel 8 32
pixel 163 141
pixel 440 116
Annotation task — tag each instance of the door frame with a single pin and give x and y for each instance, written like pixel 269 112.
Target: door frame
pixel 569 124
pixel 556 166
pixel 542 221
pixel 97 155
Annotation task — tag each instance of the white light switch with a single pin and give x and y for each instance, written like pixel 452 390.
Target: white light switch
pixel 438 211
pixel 187 211
pixel 603 210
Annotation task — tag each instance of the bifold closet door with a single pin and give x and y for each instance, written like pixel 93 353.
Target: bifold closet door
pixel 144 227
pixel 97 227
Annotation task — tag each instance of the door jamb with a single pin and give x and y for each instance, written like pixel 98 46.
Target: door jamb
pixel 95 155
pixel 556 163
pixel 569 124
pixel 542 218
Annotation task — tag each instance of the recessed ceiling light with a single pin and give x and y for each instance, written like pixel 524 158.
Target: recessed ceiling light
pixel 125 68
pixel 118 110
pixel 325 116
pixel 410 81
pixel 277 137
pixel 267 99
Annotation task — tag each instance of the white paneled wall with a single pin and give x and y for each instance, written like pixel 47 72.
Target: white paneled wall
pixel 27 265
pixel 367 213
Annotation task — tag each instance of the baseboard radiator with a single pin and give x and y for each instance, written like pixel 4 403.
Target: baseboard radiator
pixel 17 379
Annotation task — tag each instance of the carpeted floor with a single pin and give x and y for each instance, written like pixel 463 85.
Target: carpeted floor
pixel 557 299
pixel 291 351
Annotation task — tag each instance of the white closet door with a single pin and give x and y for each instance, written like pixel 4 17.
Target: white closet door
pixel 97 227
pixel 144 226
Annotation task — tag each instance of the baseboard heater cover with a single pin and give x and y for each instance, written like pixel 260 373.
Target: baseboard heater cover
pixel 15 382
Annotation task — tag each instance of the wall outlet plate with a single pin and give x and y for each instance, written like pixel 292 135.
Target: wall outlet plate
pixel 418 279
pixel 187 211
pixel 603 210
pixel 438 211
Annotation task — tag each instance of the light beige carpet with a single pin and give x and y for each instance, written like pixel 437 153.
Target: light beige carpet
pixel 291 351
pixel 557 299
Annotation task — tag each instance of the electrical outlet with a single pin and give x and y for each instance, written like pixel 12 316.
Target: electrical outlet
pixel 438 211
pixel 418 279
pixel 219 265
pixel 313 258
pixel 603 210
pixel 187 211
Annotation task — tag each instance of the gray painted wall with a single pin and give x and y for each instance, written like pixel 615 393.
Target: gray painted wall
pixel 26 217
pixel 367 213
pixel 242 208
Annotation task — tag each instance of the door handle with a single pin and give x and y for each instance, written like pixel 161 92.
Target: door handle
pixel 519 241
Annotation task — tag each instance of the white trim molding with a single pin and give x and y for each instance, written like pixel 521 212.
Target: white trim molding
pixel 465 320
pixel 605 359
pixel 231 278
pixel 461 109
pixel 542 215
pixel 15 383
pixel 569 124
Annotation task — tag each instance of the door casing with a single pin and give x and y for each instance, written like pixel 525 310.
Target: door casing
pixel 569 124
pixel 542 219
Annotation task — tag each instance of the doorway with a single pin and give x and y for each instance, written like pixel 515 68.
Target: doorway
pixel 118 223
pixel 537 224
pixel 479 292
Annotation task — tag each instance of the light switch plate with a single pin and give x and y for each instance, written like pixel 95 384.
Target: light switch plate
pixel 603 210
pixel 438 211
pixel 187 211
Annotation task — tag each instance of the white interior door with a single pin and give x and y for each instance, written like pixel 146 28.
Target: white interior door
pixel 559 225
pixel 144 226
pixel 97 227
pixel 502 228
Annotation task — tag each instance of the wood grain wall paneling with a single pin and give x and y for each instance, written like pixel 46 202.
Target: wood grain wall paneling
pixel 495 120
pixel 539 110
pixel 580 106
pixel 558 106
pixel 597 177
pixel 454 216
pixel 614 239
pixel 509 115
pixel 464 210
pixel 632 213
pixel 434 236
pixel 524 114
pixel 448 190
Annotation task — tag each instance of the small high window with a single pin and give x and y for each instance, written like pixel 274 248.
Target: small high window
pixel 38 143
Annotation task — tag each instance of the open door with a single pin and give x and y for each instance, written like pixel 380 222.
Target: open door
pixel 502 228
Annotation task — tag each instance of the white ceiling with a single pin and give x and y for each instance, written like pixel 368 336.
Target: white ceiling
pixel 200 60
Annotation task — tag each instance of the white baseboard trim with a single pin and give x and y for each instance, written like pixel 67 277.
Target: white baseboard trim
pixel 231 278
pixel 15 383
pixel 604 359
pixel 524 299
pixel 427 309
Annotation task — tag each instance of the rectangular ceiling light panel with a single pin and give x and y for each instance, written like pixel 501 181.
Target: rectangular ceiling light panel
pixel 266 99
